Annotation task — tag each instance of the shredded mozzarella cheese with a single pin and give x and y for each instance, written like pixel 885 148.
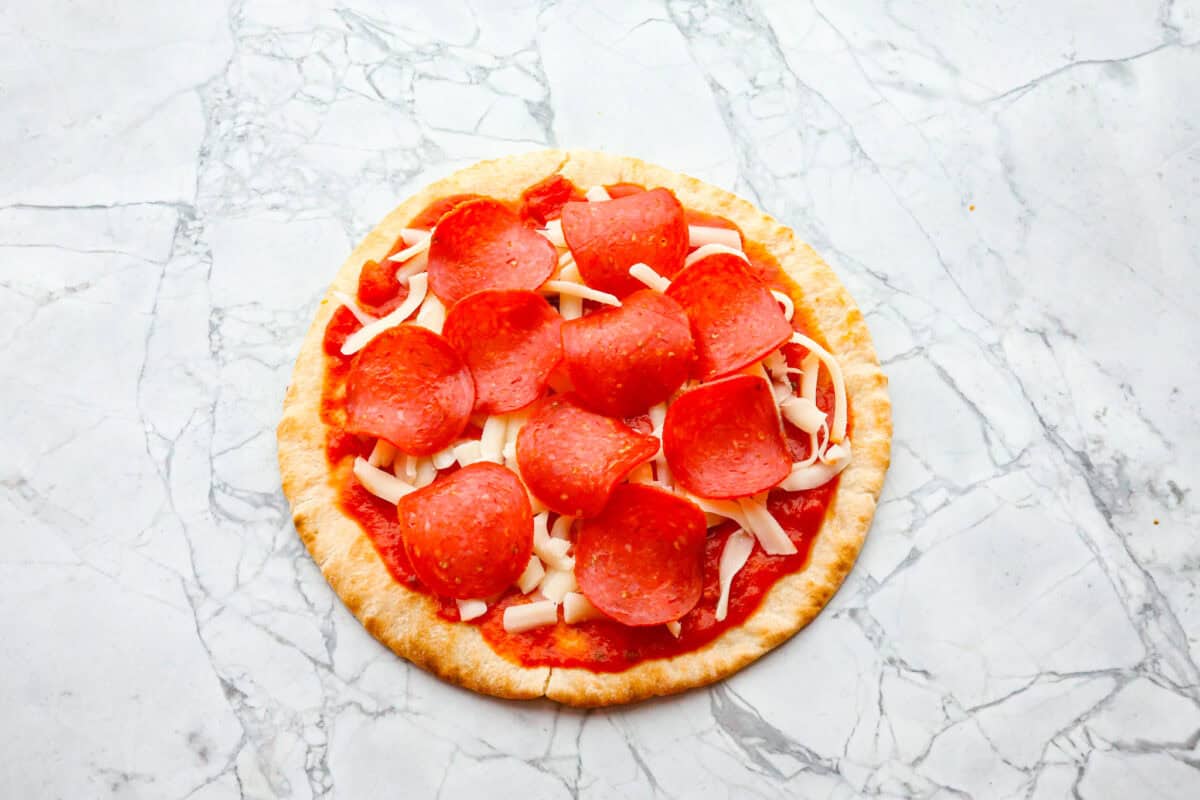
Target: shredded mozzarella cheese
pixel 432 314
pixel 734 554
pixel 470 609
pixel 700 235
pixel 553 232
pixel 518 619
pixel 382 453
pixel 572 289
pixel 597 194
pixel 383 485
pixel 764 526
pixel 789 308
pixel 532 576
pixel 646 274
pixel 704 251
pixel 837 430
pixel 419 245
pixel 577 608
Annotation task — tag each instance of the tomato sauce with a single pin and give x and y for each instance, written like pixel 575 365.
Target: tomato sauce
pixel 598 645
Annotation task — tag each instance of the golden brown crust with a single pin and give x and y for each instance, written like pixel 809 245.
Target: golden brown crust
pixel 407 621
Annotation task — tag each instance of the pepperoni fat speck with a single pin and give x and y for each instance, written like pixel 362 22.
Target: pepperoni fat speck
pixel 623 360
pixel 641 560
pixel 482 245
pixel 470 534
pixel 408 386
pixel 723 439
pixel 510 341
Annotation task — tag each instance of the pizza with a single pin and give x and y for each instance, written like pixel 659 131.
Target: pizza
pixel 571 425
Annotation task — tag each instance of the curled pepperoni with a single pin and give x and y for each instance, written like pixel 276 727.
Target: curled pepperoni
pixel 470 533
pixel 482 245
pixel 544 200
pixel 641 561
pixel 607 238
pixel 510 341
pixel 623 360
pixel 723 439
pixel 571 458
pixel 408 386
pixel 735 320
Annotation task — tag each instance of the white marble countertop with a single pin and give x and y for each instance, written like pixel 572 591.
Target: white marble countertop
pixel 1011 191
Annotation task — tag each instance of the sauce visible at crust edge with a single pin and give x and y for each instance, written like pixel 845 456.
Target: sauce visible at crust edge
pixel 597 645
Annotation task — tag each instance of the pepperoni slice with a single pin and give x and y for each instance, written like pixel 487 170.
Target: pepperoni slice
pixel 544 200
pixel 468 534
pixel 735 320
pixel 407 385
pixel 510 341
pixel 624 360
pixel 723 439
pixel 617 190
pixel 571 458
pixel 482 245
pixel 607 238
pixel 641 561
pixel 433 213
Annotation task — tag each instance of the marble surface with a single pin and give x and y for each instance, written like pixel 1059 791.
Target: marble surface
pixel 1010 190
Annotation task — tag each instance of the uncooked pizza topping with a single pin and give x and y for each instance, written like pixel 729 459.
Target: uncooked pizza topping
pixel 600 424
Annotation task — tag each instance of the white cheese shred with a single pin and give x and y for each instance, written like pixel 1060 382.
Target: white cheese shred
pixel 470 609
pixel 432 314
pixel 382 453
pixel 700 235
pixel 642 473
pixel 553 232
pixel 811 475
pixel 646 274
pixel 572 289
pixel 704 251
pixel 674 627
pixel 556 583
pixel 562 527
pixel 412 236
pixel 491 442
pixel 803 413
pixel 426 473
pixel 363 317
pixel 725 509
pixel 419 245
pixel 734 554
pixel 416 295
pixel 518 619
pixel 468 452
pixel 568 270
pixel 837 429
pixel 410 468
pixel 532 576
pixel 383 485
pixel 443 459
pixel 764 526
pixel 577 608
pixel 789 308
pixel 570 306
pixel 597 194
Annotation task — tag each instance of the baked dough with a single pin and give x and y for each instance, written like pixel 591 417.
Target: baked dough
pixel 407 621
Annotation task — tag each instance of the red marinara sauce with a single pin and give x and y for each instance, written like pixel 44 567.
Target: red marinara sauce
pixel 598 645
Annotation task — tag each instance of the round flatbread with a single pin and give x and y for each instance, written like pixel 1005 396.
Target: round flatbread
pixel 410 622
